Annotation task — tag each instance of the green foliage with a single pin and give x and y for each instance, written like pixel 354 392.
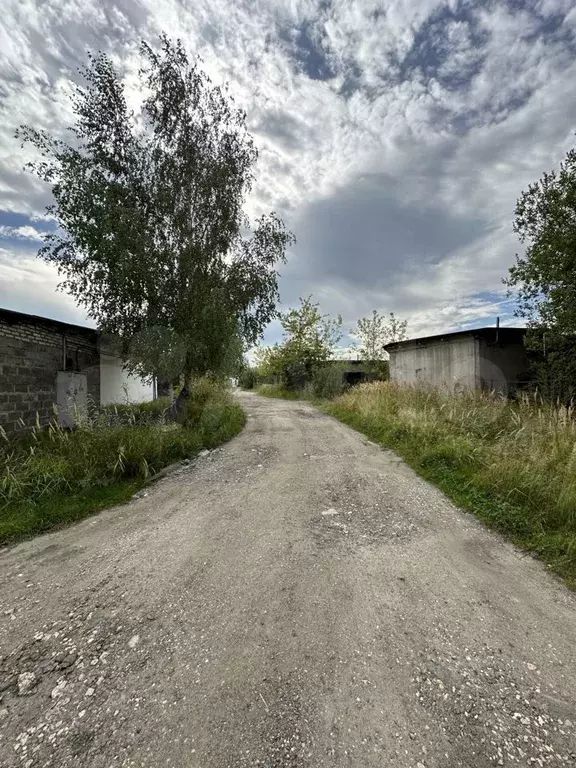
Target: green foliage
pixel 552 364
pixel 151 413
pixel 309 336
pixel 248 377
pixel 374 332
pixel 327 381
pixel 512 463
pixel 278 391
pixel 220 420
pixel 310 339
pixel 545 277
pixel 380 370
pixel 149 206
pixel 54 476
pixel 155 350
pixel 270 361
pixel 18 521
pixel 203 392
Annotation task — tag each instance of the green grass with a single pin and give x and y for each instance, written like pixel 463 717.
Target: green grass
pixel 276 390
pixel 150 412
pixel 50 478
pixel 511 464
pixel 21 521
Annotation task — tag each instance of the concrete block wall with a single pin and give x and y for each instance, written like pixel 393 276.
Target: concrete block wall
pixel 31 354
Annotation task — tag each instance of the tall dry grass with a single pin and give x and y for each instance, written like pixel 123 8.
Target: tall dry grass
pixel 52 476
pixel 511 462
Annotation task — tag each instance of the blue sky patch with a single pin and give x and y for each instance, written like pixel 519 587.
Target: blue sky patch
pixel 306 52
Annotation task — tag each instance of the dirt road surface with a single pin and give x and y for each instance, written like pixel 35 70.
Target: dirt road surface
pixel 296 598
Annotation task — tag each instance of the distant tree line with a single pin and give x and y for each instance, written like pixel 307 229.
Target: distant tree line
pixel 307 357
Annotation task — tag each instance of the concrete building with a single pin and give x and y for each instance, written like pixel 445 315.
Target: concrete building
pixel 483 358
pixel 46 364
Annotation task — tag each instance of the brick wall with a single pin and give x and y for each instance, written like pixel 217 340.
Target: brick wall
pixel 31 353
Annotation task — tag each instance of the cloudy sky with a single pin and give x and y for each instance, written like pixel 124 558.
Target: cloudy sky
pixel 394 135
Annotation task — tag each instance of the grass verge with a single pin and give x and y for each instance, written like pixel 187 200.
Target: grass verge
pixel 513 464
pixel 52 478
pixel 275 390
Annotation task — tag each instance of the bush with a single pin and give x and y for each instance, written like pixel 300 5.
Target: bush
pixel 204 393
pixel 276 390
pixel 50 469
pixel 248 378
pixel 380 370
pixel 296 375
pixel 327 382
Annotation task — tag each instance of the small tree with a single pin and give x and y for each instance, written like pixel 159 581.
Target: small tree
pixel 149 207
pixel 310 339
pixel 375 331
pixel 270 361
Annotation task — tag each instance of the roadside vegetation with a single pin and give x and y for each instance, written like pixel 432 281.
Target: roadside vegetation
pixel 512 463
pixel 53 476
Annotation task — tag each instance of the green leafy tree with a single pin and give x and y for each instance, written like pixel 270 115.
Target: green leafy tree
pixel 543 279
pixel 309 336
pixel 149 204
pixel 310 339
pixel 270 361
pixel 375 331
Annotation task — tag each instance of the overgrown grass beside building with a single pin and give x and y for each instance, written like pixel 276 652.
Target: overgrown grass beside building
pixel 511 463
pixel 51 477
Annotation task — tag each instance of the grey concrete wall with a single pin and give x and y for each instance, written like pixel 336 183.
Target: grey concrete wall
pixel 501 365
pixel 450 365
pixel 30 357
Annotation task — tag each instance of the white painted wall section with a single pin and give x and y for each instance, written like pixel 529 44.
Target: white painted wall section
pixel 118 386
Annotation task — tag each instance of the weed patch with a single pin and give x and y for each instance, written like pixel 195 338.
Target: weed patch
pixel 275 390
pixel 53 477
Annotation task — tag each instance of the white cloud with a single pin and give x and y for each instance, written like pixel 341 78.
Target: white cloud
pixel 26 232
pixel 30 285
pixel 437 115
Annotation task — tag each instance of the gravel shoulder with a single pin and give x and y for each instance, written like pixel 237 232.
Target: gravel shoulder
pixel 298 597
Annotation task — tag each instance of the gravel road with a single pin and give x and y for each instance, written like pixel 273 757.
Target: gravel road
pixel 296 598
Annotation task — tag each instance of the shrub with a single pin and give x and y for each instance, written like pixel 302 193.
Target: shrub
pixel 327 381
pixel 276 390
pixel 248 378
pixel 204 393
